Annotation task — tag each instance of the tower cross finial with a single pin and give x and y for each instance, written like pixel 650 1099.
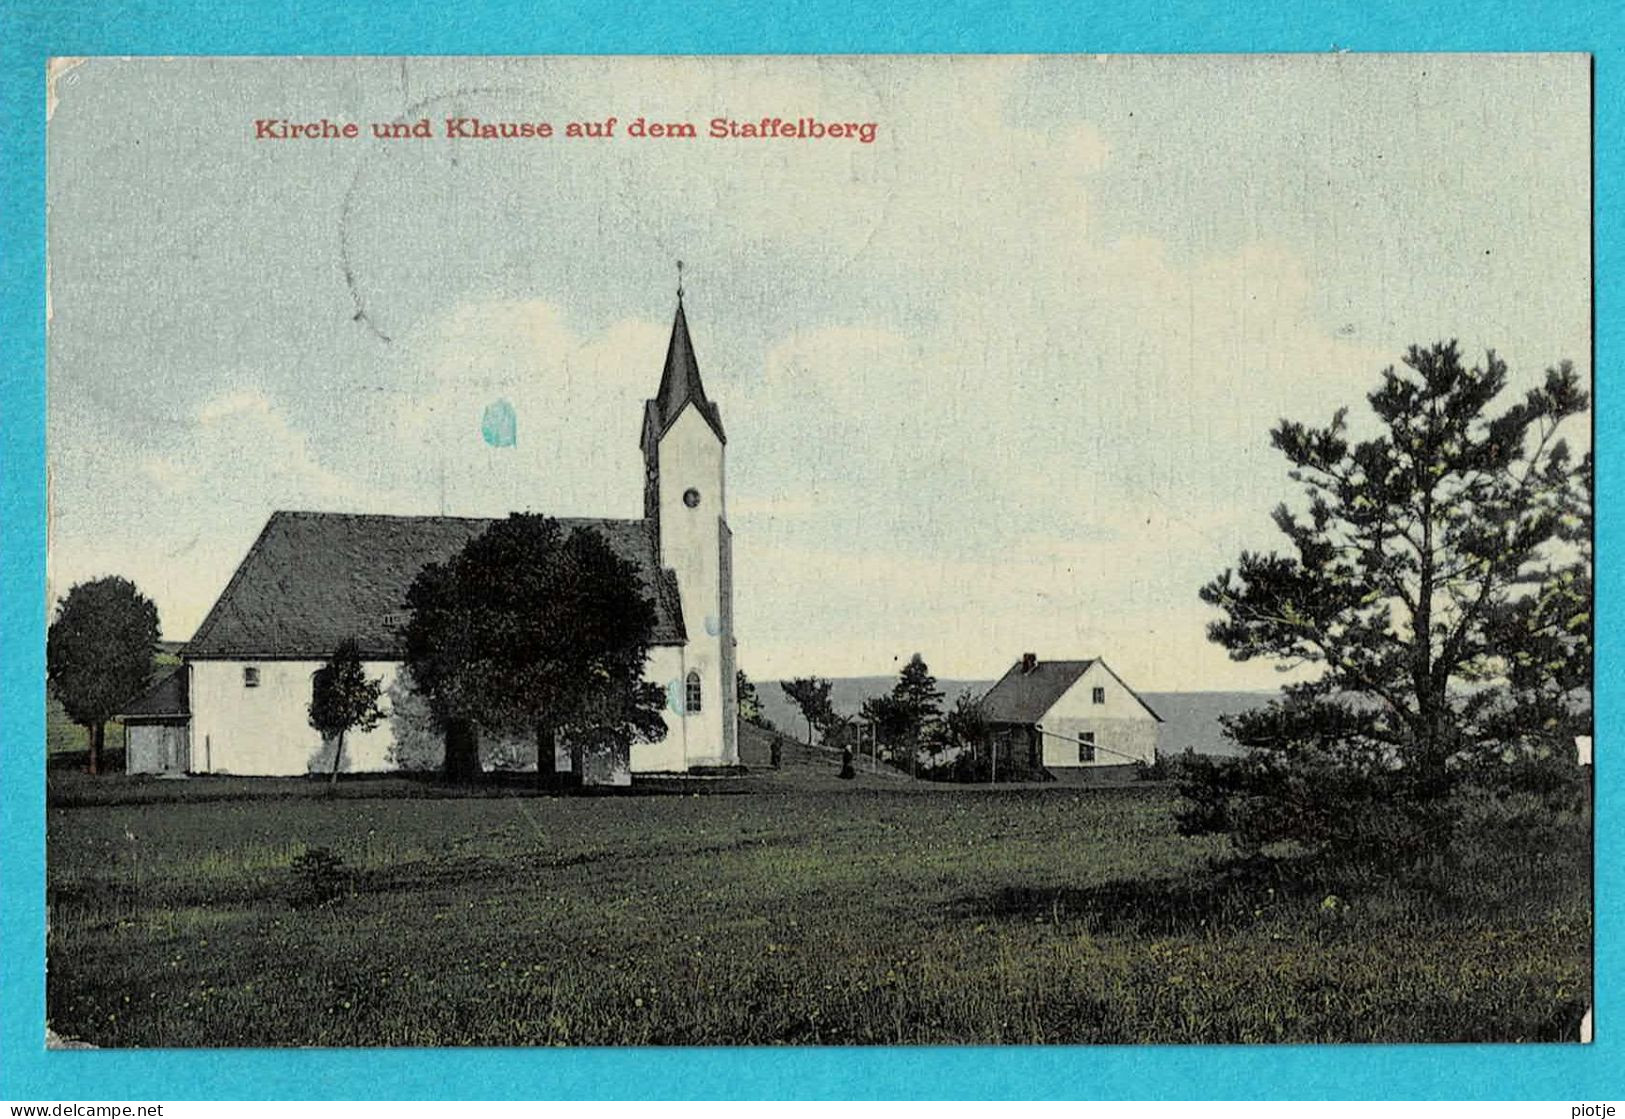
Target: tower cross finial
pixel 679 281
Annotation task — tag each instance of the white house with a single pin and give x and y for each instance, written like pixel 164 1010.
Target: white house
pixel 313 579
pixel 1071 715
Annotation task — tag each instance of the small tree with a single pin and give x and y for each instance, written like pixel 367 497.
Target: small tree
pixel 1438 580
pixel 891 722
pixel 920 702
pixel 343 699
pixel 98 653
pixel 811 695
pixel 528 630
pixel 750 704
pixel 916 692
pixel 841 733
pixel 965 725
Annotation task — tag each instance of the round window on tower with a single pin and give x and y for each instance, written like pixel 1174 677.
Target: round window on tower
pixel 691 498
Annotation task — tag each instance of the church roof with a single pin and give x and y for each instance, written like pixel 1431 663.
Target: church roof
pixel 1025 696
pixel 313 579
pixel 680 382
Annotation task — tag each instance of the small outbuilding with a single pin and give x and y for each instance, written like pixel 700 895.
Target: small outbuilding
pixel 1070 715
pixel 158 727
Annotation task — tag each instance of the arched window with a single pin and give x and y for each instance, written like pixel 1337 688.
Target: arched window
pixel 691 698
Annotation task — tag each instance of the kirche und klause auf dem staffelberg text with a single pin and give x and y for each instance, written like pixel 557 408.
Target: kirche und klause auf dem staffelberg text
pixel 608 128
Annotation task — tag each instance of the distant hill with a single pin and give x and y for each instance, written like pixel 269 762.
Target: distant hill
pixel 847 693
pixel 1190 719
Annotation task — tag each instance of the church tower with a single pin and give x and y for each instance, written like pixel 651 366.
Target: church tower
pixel 685 503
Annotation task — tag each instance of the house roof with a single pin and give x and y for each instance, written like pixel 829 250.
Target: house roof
pixel 680 383
pixel 164 698
pixel 1026 697
pixel 313 579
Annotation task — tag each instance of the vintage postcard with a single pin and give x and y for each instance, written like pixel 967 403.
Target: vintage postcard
pixel 912 550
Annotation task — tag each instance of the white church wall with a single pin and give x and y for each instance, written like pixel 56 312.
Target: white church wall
pixel 691 457
pixel 704 728
pixel 264 730
pixel 665 668
pixel 417 744
pixel 728 649
pixel 1124 730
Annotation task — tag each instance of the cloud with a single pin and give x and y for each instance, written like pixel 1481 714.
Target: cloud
pixel 242 448
pixel 576 398
pixel 988 483
pixel 1001 379
pixel 182 518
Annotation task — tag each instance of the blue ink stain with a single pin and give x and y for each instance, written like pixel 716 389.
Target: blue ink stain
pixel 674 696
pixel 499 425
pixel 712 625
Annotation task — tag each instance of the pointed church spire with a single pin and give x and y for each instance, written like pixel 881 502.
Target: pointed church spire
pixel 680 380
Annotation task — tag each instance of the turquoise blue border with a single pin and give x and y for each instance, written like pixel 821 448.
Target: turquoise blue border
pixel 31 33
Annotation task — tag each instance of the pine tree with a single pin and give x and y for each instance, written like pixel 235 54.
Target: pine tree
pixel 750 704
pixel 1439 578
pixel 920 701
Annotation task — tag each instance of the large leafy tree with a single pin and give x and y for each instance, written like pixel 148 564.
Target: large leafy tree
pixel 530 630
pixel 1438 576
pixel 98 653
pixel 343 698
pixel 811 695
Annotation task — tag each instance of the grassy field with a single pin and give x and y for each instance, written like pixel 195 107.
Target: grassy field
pixel 64 736
pixel 791 908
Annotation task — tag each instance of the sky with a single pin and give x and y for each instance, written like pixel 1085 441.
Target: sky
pixel 999 381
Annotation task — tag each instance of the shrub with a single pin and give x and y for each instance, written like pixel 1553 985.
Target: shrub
pixel 1316 797
pixel 974 766
pixel 1164 768
pixel 319 876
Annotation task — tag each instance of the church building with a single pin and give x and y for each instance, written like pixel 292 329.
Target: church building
pixel 313 579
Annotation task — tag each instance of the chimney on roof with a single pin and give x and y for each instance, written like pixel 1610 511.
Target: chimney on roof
pixel 1029 661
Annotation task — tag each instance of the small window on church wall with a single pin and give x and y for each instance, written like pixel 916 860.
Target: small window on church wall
pixel 1086 746
pixel 691 498
pixel 1100 695
pixel 251 676
pixel 691 698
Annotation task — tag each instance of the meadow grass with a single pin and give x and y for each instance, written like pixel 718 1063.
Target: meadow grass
pixel 804 910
